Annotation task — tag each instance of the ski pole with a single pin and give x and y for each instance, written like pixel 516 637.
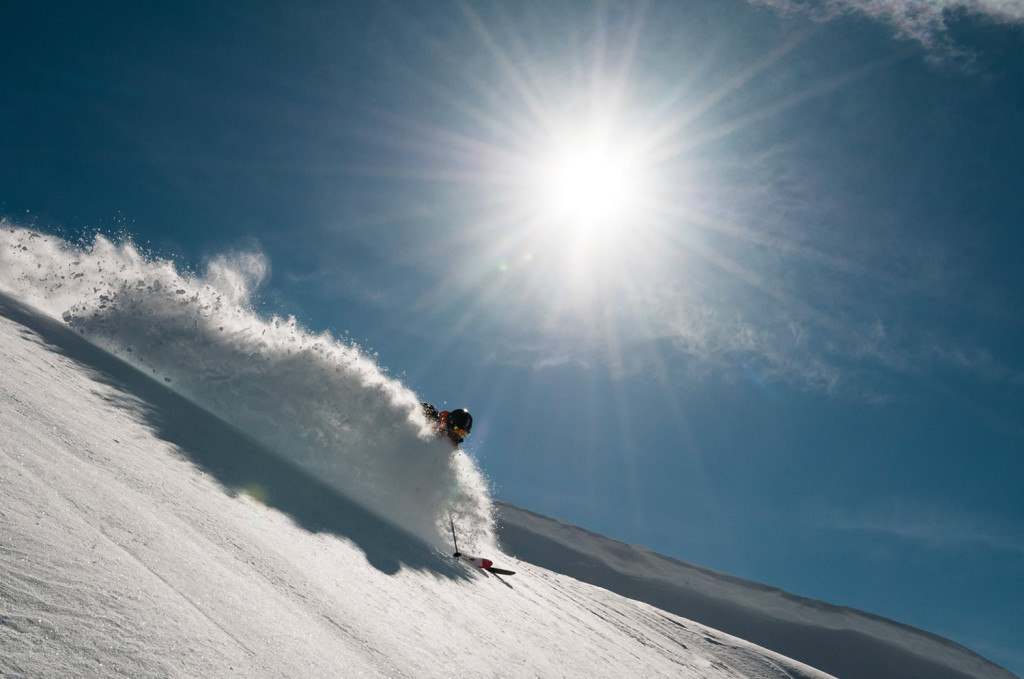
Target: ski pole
pixel 451 522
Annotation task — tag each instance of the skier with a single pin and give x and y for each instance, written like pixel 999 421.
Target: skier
pixel 453 425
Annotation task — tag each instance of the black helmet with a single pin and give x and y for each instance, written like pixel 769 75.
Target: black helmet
pixel 460 419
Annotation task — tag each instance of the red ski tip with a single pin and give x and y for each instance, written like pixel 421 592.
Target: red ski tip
pixel 485 564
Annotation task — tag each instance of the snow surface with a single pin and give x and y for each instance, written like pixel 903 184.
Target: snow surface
pixel 212 493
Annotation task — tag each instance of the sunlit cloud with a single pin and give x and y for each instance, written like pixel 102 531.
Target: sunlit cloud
pixel 926 22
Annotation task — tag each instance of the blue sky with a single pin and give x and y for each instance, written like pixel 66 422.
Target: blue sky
pixel 791 351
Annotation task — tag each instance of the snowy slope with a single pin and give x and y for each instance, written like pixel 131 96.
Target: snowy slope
pixel 842 641
pixel 288 518
pixel 135 545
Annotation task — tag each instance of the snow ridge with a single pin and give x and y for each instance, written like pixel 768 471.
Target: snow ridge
pixel 342 418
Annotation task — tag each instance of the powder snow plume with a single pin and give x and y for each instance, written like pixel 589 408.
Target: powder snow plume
pixel 311 398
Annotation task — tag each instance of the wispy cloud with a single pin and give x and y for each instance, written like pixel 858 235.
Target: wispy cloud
pixel 933 527
pixel 926 21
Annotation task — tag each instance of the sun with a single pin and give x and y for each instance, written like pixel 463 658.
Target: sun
pixel 589 187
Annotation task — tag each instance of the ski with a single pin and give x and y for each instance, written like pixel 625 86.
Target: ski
pixel 500 571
